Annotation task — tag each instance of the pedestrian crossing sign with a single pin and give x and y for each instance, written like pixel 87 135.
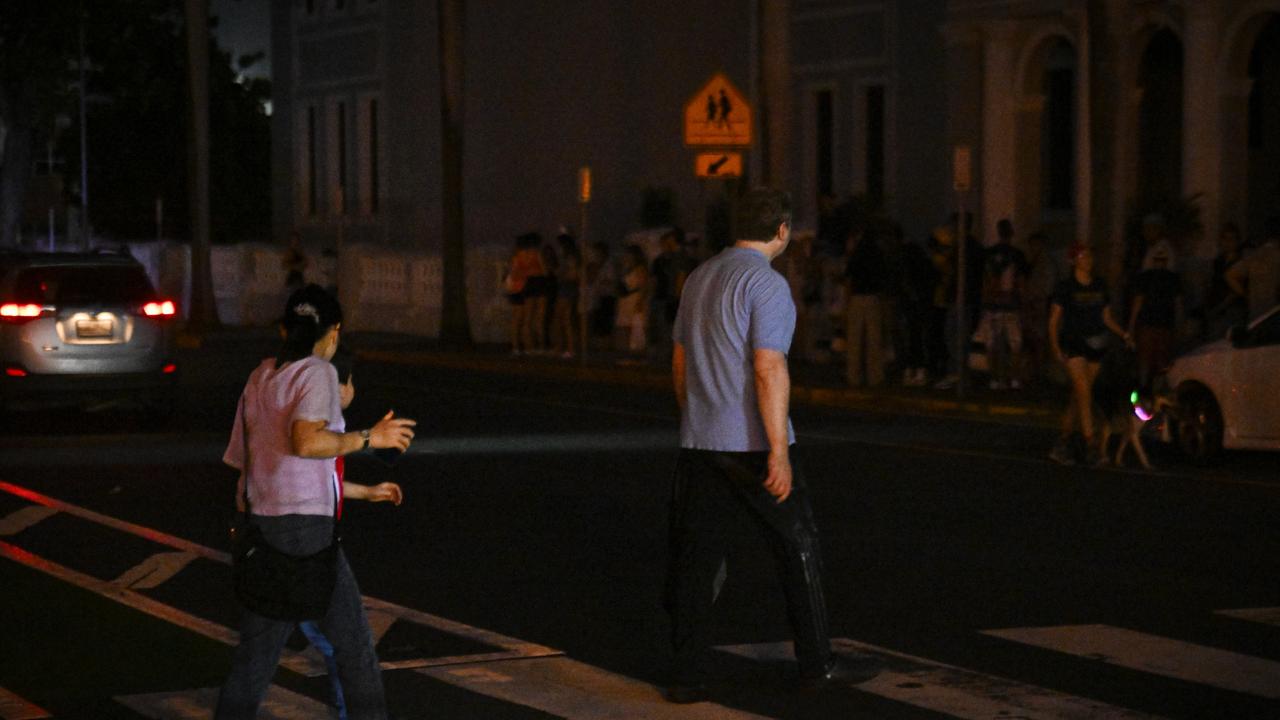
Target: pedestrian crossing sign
pixel 718 114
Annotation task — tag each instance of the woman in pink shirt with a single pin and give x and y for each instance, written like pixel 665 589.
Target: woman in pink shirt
pixel 287 432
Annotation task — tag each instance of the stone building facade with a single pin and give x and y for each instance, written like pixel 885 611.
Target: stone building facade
pixel 554 86
pixel 1127 104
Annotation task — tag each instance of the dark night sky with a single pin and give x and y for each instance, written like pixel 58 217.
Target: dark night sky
pixel 244 27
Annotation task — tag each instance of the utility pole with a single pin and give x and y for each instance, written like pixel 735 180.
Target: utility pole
pixel 85 229
pixel 455 326
pixel 203 315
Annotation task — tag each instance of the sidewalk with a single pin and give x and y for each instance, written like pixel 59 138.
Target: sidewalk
pixel 812 384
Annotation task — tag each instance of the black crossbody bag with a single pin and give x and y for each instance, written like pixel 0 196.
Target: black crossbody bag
pixel 273 583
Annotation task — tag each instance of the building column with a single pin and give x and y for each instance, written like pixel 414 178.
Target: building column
pixel 999 127
pixel 1028 215
pixel 1201 136
pixel 1232 181
pixel 775 88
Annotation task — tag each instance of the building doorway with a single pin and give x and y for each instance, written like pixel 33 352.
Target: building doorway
pixel 1047 140
pixel 1264 128
pixel 1159 142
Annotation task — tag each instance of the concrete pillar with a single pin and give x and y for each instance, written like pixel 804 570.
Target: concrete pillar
pixel 999 127
pixel 1084 146
pixel 1201 136
pixel 775 89
pixel 1027 216
pixel 1233 144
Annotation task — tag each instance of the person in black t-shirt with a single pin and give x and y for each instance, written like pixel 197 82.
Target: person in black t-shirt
pixel 1157 303
pixel 1079 318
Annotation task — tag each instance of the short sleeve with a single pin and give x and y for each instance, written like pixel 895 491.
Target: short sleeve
pixel 1061 295
pixel 318 393
pixel 773 315
pixel 678 331
pixel 234 454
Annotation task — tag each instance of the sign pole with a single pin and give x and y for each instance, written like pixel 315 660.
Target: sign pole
pixel 584 305
pixel 962 332
pixel 962 181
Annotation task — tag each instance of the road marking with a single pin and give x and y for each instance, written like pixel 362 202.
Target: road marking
pixel 306 663
pixel 19 520
pixel 1156 655
pixel 147 533
pixel 155 570
pixel 577 691
pixel 952 690
pixel 13 707
pixel 1266 616
pixel 198 704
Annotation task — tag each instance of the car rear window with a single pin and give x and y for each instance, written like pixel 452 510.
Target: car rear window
pixel 65 284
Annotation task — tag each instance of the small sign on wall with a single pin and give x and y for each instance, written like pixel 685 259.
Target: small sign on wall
pixel 962 169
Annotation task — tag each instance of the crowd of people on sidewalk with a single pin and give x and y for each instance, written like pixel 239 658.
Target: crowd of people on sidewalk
pixel 886 307
pixel 629 302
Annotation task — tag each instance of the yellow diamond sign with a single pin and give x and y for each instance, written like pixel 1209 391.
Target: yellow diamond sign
pixel 718 114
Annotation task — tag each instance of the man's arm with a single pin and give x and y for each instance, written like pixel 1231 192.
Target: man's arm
pixel 1235 277
pixel 773 392
pixel 677 373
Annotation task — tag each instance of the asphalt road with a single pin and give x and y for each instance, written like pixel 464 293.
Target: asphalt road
pixel 522 576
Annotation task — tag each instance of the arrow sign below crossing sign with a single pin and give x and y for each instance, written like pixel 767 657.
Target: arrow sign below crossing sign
pixel 718 165
pixel 718 114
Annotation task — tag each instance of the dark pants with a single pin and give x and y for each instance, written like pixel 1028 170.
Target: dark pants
pixel 714 494
pixel 345 626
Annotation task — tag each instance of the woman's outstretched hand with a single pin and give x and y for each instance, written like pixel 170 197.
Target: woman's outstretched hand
pixel 386 492
pixel 392 432
pixel 382 492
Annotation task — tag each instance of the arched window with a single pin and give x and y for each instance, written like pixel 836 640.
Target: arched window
pixel 1160 121
pixel 1058 133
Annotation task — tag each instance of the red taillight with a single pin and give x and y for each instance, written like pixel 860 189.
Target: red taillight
pixel 20 312
pixel 160 308
pixel 15 372
pixel 169 369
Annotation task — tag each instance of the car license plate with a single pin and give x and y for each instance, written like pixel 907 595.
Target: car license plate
pixel 94 328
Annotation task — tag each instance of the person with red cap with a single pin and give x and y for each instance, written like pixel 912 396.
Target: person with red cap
pixel 1079 318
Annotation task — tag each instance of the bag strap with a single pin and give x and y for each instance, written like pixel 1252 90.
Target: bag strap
pixel 244 440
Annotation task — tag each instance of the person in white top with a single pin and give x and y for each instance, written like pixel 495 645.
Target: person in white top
pixel 287 432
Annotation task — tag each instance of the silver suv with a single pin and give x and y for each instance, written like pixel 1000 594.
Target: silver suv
pixel 83 329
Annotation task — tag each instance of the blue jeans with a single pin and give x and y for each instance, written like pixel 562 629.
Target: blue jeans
pixel 345 626
pixel 321 643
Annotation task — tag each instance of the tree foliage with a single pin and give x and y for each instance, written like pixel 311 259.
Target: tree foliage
pixel 137 113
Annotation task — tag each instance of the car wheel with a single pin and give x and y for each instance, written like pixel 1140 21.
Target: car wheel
pixel 1199 426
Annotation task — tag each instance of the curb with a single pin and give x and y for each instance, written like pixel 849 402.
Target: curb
pixel 847 398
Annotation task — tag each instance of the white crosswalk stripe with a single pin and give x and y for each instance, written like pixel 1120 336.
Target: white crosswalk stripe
pixel 577 691
pixel 1157 655
pixel 198 704
pixel 1266 616
pixel 954 691
pixel 538 677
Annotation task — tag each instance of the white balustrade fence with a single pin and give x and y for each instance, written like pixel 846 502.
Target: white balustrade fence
pixel 381 290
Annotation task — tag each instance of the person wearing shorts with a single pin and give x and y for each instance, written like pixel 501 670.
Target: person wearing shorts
pixel 1080 320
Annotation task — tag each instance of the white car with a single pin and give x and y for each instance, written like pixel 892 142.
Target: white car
pixel 1226 394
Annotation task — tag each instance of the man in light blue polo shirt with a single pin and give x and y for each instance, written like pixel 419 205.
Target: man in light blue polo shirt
pixel 729 367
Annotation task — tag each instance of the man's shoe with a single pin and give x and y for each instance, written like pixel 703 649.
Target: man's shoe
pixel 687 694
pixel 1061 453
pixel 843 671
